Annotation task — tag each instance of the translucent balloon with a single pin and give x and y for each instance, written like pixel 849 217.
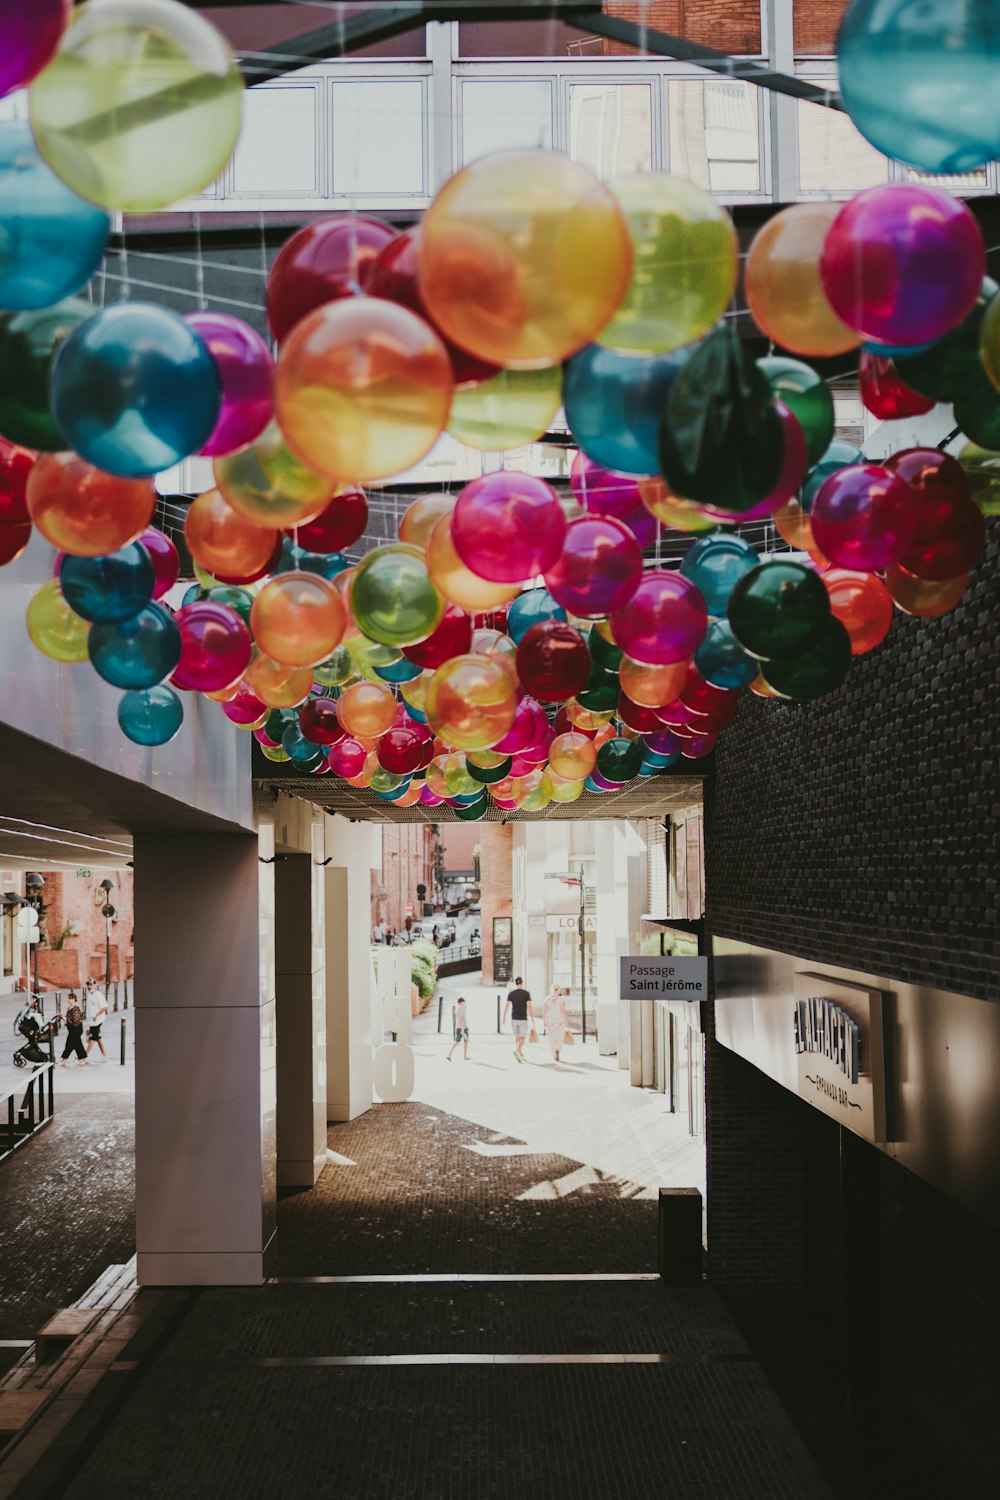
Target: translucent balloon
pixel 82 509
pixel 604 492
pixel 320 722
pixel 567 791
pixel 471 702
pixel 864 517
pixel 806 395
pixel 636 716
pixel 951 532
pixel 488 766
pixel 903 263
pixel 163 555
pixel 322 263
pixel 792 523
pixel 136 653
pixel 392 597
pixel 721 660
pixel 614 403
pixel 363 388
pixel 599 568
pixel 246 370
pixel 529 725
pixel 457 582
pixel 451 637
pixel 862 604
pixel 225 542
pixel 839 455
pixel 297 619
pixel 952 366
pixel 13 540
pixel 619 760
pixel 818 669
pixel 652 686
pixel 684 268
pixel 715 565
pixel 513 407
pixel 508 526
pixel 603 651
pixel 499 647
pixel 110 588
pixel 531 608
pixel 270 486
pixel 51 240
pixel 56 629
pixel 572 756
pixel 790 477
pixel 664 621
pixel 977 414
pixel 917 80
pixel 215 647
pixel 670 510
pixel 150 716
pixel 366 709
pixel 553 662
pixel 473 812
pixel 982 471
pixel 401 749
pixel 925 597
pixel 783 285
pixel 244 708
pixel 422 515
pixel 278 685
pixel 15 469
pixel 140 106
pixel 885 393
pixel 339 525
pixel 32 29
pixel 524 256
pixel 778 610
pixel 134 389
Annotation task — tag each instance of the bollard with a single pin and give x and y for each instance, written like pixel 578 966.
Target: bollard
pixel 499 998
pixel 440 1010
pixel 125 991
pixel 679 1261
pixel 122 1058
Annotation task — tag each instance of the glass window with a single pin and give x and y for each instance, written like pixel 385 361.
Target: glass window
pixel 715 135
pixel 815 24
pixel 378 137
pixel 254 28
pixel 502 114
pixel 962 182
pixel 833 156
pixel 732 25
pixel 611 127
pixel 277 146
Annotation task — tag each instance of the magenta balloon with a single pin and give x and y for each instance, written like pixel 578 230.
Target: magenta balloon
pixel 603 782
pixel 676 715
pixel 529 725
pixel 163 555
pixel 347 758
pixel 215 647
pixel 903 263
pixel 429 798
pixel 605 492
pixel 246 374
pixel 698 745
pixel 793 471
pixel 263 738
pixel 663 742
pixel 535 754
pixel 664 621
pixel 245 708
pixel 31 32
pixel 864 517
pixel 599 569
pixel 507 527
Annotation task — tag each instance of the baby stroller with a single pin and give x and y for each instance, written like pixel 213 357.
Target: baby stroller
pixel 27 1024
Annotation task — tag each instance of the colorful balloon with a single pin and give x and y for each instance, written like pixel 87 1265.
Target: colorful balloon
pixel 572 756
pixel 32 29
pixel 884 391
pixel 422 515
pixel 110 588
pixel 652 686
pixel 721 660
pixel 790 477
pixel 553 662
pixel 270 486
pixel 670 510
pixel 392 597
pixel 599 568
pixel 508 526
pixel 817 670
pixel 321 263
pixel 278 685
pixel 244 708
pixel 163 555
pixel 778 610
pixel 614 403
pixel 982 471
pixel 471 703
pixel 531 608
pixel 13 540
pixel 925 597
pixel 509 409
pixel 715 565
pixel 455 581
pixel 51 240
pixel 864 517
pixel 366 709
pixel 150 716
pixel 246 370
pixel 783 285
pixel 136 653
pixel 954 365
pixel 618 760
pixel 951 532
pixel 297 619
pixel 82 509
pixel 524 256
pixel 862 604
pixel 225 542
pixel 15 469
pixel 806 395
pixel 56 629
pixel 401 749
pixel 663 622
pixel 215 647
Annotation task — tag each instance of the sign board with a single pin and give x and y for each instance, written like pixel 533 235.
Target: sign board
pixel 649 977
pixel 838 1038
pixel 26 925
pixel 555 923
pixel 503 950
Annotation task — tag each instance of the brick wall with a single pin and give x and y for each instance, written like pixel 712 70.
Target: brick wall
pixel 816 22
pixel 496 860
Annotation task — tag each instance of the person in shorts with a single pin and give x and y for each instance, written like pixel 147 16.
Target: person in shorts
pixel 460 1017
pixel 97 1009
pixel 522 1016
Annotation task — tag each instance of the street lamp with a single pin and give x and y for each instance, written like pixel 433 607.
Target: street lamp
pixel 33 883
pixel 107 912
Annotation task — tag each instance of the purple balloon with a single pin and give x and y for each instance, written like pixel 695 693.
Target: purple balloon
pixel 603 782
pixel 246 373
pixel 31 33
pixel 664 742
pixel 604 492
pixel 429 798
pixel 664 621
pixel 600 566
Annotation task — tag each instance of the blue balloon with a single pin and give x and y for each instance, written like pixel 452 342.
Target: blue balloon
pixel 150 716
pixel 590 785
pixel 295 559
pixel 722 661
pixel 302 752
pixel 415 714
pixel 136 653
pixel 839 455
pixel 110 588
pixel 399 671
pixel 533 607
pixel 51 240
pixel 919 80
pixel 135 390
pixel 715 565
pixel 194 592
pixel 397 791
pixel 614 404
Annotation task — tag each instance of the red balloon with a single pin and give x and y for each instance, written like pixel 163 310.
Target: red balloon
pixel 337 527
pixel 864 517
pixel 643 720
pixel 321 263
pixel 704 697
pixel 452 637
pixel 319 723
pixel 553 662
pixel 951 530
pixel 862 604
pixel 885 392
pixel 393 275
pixel 563 724
pixel 164 557
pixel 245 707
pixel 401 750
pixel 215 647
pixel 15 466
pixel 13 540
pixel 697 746
pixel 599 569
pixel 492 619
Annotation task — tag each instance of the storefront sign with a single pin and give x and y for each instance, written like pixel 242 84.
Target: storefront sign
pixel 569 924
pixel 503 950
pixel 836 1029
pixel 644 977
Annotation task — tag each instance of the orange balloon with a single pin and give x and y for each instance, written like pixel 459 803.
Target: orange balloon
pixel 651 686
pixel 419 518
pixel 228 693
pixel 366 708
pixel 763 689
pixel 223 541
pixel 270 486
pixel 410 796
pixel 471 702
pixel 524 257
pixel 572 756
pixel 363 388
pixel 297 618
pixel 862 604
pixel 793 524
pixel 670 510
pixel 457 582
pixel 926 597
pixel 498 645
pixel 783 284
pixel 586 718
pixel 277 685
pixel 83 510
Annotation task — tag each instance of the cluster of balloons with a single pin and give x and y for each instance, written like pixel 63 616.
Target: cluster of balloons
pixel 514 646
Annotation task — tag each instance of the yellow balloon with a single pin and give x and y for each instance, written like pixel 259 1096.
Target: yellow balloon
pixel 414 692
pixel 684 273
pixel 498 645
pixel 982 470
pixel 434 776
pixel 57 630
pixel 512 408
pixel 457 582
pixel 586 718
pixel 471 702
pixel 536 801
pixel 523 258
pixel 140 106
pixel 572 756
pixel 277 685
pixel 783 283
pixel 420 517
pixel 670 510
pixel 566 791
pixel 268 485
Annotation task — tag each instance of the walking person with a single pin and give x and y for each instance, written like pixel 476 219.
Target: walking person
pixel 521 1015
pixel 555 1019
pixel 74 1032
pixel 97 1009
pixel 460 1019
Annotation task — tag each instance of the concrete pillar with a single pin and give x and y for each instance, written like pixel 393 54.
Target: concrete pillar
pixel 352 849
pixel 204 1058
pixel 300 982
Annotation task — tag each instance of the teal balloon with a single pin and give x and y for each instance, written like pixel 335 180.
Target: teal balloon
pixel 721 659
pixel 295 559
pixel 150 716
pixel 919 80
pixel 193 594
pixel 602 652
pixel 816 671
pixel 715 564
pixel 619 759
pixel 399 671
pixel 134 389
pixel 396 792
pixel 839 455
pixel 613 404
pixel 136 653
pixel 51 241
pixel 300 751
pixel 29 342
pixel 278 721
pixel 110 588
pixel 807 396
pixel 778 610
pixel 533 607
pixel 233 597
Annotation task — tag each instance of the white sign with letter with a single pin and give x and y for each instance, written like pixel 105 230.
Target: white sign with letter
pixel 650 977
pixel 839 1052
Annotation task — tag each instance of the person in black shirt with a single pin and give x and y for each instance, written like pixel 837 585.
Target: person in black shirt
pixel 521 1016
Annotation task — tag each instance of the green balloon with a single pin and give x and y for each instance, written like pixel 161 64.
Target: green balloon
pixel 471 812
pixel 619 759
pixel 236 598
pixel 982 470
pixel 977 412
pixel 600 694
pixel 778 609
pixel 488 774
pixel 602 651
pixel 807 396
pixel 29 343
pixel 392 597
pixel 336 670
pixel 278 721
pixel 953 365
pixel 385 781
pixel 817 670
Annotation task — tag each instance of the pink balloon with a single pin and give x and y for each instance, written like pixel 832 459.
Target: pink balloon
pixel 637 717
pixel 663 742
pixel 246 373
pixel 429 798
pixel 793 471
pixel 603 783
pixel 605 492
pixel 864 517
pixel 508 527
pixel 885 392
pixel 163 555
pixel 664 621
pixel 599 569
pixel 699 745
pixel 245 708
pixel 347 758
pixel 31 33
pixel 530 723
pixel 215 647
